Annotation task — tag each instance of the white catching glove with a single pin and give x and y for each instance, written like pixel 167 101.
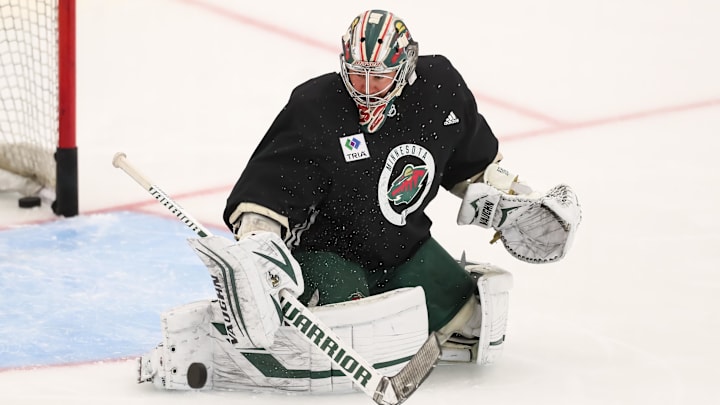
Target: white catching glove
pixel 534 228
pixel 248 276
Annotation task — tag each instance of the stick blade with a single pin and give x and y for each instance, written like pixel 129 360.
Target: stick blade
pixel 407 380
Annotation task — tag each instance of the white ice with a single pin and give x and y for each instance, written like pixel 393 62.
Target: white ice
pixel 620 99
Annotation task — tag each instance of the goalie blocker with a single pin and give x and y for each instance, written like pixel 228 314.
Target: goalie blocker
pixel 385 329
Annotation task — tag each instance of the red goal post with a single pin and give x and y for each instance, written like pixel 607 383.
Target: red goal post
pixel 38 149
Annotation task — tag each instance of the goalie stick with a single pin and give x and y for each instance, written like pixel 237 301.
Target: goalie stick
pixel 384 390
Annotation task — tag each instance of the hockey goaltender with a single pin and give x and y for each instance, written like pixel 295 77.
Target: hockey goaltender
pixel 330 211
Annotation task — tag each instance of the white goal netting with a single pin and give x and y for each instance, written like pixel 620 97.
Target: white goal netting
pixel 28 95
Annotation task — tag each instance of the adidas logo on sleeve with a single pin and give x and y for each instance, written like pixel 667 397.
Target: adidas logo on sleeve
pixel 451 119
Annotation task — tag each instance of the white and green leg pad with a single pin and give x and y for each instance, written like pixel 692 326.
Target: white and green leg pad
pixel 482 337
pixel 386 329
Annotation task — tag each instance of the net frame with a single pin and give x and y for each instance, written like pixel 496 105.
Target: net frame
pixel 38 94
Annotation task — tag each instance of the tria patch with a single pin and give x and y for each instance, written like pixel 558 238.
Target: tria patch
pixel 354 147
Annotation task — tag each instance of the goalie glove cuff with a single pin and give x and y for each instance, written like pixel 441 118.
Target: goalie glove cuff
pixel 488 207
pixel 479 205
pixel 499 177
pixel 506 181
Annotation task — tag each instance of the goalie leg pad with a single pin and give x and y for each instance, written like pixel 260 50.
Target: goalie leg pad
pixel 494 285
pixel 482 337
pixel 187 338
pixel 386 329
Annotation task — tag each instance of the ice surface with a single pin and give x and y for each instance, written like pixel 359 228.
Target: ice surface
pixel 92 287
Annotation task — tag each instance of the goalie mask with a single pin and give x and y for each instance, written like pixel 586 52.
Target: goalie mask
pixel 378 60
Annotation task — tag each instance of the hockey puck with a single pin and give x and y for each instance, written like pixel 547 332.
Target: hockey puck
pixel 197 375
pixel 29 202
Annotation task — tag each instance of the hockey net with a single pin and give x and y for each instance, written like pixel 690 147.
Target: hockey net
pixel 38 154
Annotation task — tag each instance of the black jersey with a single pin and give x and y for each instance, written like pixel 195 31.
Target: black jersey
pixel 363 195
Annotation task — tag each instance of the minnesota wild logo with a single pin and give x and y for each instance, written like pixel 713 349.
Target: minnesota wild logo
pixel 404 188
pixel 401 195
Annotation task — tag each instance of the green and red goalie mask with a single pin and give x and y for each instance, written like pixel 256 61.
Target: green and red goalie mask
pixel 377 45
